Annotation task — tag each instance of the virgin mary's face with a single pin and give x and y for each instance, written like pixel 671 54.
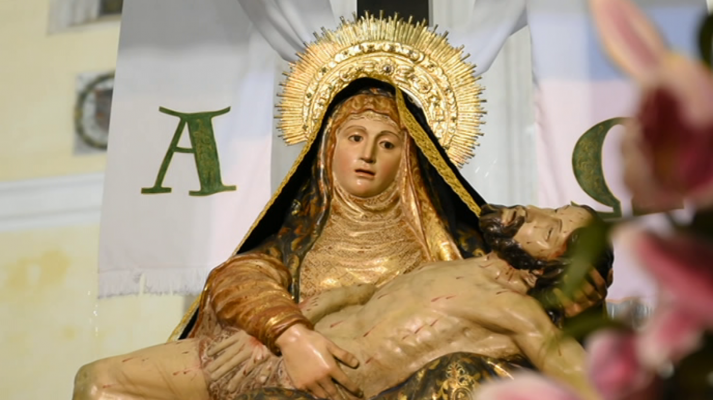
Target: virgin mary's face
pixel 367 155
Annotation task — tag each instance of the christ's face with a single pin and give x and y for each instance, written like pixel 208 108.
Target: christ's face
pixel 545 231
pixel 367 154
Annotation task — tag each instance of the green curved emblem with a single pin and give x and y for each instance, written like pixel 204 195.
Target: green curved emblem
pixel 588 168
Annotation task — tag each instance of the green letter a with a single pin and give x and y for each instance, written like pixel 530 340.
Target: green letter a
pixel 203 148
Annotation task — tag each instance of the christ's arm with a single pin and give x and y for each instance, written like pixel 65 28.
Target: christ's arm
pixel 522 318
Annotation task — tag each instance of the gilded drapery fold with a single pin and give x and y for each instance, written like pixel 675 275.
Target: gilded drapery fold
pixel 250 292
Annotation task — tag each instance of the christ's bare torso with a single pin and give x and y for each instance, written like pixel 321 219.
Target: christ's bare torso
pixel 415 319
pixel 477 306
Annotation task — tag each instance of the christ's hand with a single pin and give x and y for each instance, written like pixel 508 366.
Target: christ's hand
pixel 238 351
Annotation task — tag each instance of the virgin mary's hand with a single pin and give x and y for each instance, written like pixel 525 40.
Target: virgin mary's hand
pixel 311 362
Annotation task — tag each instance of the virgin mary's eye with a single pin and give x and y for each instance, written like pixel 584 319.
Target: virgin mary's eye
pixel 356 138
pixel 387 145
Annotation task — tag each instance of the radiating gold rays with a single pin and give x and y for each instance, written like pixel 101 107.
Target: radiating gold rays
pixel 410 56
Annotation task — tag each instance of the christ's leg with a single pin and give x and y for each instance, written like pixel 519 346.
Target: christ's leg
pixel 170 371
pixel 232 363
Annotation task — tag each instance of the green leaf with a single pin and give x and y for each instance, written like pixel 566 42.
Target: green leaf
pixel 593 242
pixel 587 323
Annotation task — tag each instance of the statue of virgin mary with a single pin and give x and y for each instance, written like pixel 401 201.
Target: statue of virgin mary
pixel 319 231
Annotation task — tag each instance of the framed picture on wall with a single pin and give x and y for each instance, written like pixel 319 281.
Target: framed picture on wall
pixel 92 111
pixel 110 7
pixel 69 14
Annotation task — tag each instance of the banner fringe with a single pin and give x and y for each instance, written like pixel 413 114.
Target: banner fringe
pixel 184 281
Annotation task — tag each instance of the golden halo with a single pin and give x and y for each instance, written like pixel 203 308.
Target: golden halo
pixel 417 60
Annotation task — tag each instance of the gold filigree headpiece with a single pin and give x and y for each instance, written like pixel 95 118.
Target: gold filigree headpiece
pixel 413 58
pixel 367 100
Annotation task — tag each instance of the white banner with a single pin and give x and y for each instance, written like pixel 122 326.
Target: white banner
pixel 191 134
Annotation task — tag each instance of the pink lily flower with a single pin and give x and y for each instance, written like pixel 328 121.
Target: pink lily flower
pixel 613 365
pixel 667 152
pixel 682 266
pixel 667 157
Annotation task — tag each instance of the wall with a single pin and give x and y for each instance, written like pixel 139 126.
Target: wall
pixel 38 80
pixel 51 321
